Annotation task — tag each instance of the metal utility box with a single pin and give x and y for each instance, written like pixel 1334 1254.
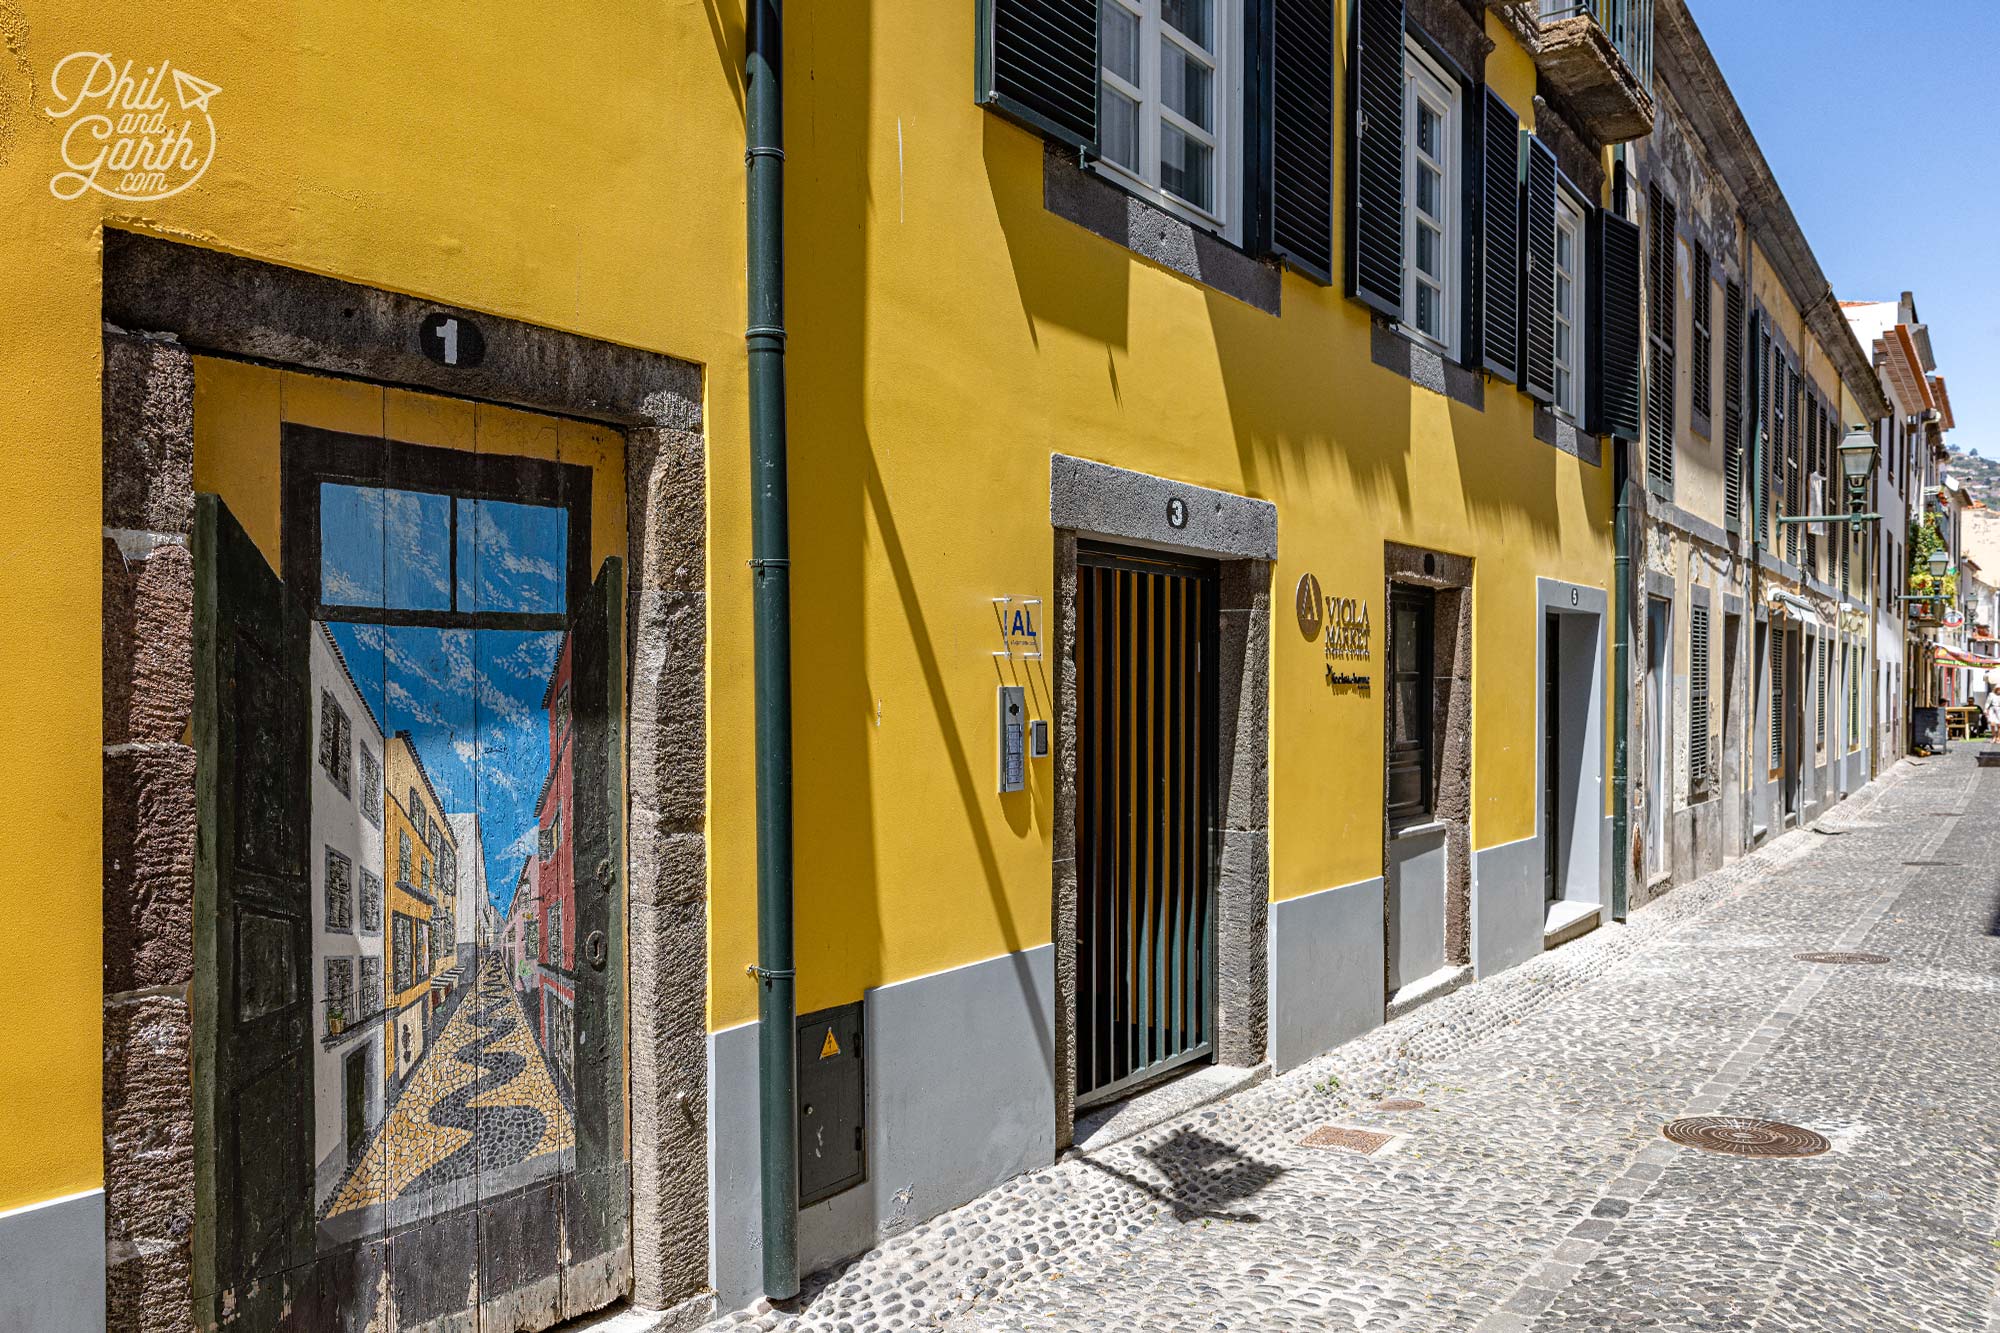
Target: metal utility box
pixel 833 1103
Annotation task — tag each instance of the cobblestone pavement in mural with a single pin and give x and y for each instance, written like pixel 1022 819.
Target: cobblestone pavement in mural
pixel 479 1100
pixel 1534 1190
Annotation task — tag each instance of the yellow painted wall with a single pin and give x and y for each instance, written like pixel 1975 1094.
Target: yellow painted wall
pixel 948 335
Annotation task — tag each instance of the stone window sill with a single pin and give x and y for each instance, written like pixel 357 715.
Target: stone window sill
pixel 1394 350
pixel 1100 205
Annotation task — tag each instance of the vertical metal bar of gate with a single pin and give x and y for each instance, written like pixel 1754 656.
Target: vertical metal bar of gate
pixel 1145 819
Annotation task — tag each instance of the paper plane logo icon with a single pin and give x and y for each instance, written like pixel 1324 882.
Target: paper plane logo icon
pixel 194 93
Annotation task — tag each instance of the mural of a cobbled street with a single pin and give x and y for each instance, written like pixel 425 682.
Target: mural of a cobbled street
pixel 480 1103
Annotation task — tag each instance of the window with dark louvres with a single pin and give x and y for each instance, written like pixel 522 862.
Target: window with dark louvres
pixel 1375 157
pixel 1612 405
pixel 1500 239
pixel 1732 407
pixel 1701 352
pixel 1662 306
pixel 1538 271
pixel 1037 62
pixel 1298 118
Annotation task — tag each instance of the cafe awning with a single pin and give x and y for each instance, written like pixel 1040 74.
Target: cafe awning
pixel 1953 658
pixel 1795 607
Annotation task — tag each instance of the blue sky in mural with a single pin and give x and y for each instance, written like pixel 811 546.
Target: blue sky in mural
pixel 471 700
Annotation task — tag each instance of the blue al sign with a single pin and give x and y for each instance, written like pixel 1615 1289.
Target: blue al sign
pixel 1020 626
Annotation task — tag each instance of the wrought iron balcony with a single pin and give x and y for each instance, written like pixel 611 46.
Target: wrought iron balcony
pixel 1597 56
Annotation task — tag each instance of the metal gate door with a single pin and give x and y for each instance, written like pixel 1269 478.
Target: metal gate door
pixel 1145 819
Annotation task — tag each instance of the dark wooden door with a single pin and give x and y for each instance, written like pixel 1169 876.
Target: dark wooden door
pixel 598 1259
pixel 355 1090
pixel 253 989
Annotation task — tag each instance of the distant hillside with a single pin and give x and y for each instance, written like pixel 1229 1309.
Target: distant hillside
pixel 1980 475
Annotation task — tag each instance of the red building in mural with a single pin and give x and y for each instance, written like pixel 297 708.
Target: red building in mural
pixel 556 898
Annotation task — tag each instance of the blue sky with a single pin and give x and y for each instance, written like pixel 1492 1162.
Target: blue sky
pixel 1873 119
pixel 471 701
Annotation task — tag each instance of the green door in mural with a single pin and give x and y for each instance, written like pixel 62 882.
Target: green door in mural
pixel 411 1061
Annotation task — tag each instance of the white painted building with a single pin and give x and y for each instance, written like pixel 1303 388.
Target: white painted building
pixel 471 886
pixel 347 898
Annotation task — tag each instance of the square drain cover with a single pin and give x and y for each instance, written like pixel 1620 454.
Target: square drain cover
pixel 1364 1141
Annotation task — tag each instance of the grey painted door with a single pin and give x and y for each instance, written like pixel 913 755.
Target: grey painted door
pixel 1659 733
pixel 1415 870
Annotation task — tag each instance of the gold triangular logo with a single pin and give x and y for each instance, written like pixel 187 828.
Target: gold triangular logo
pixel 829 1048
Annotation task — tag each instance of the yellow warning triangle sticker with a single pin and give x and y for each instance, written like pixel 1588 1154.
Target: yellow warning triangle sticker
pixel 829 1048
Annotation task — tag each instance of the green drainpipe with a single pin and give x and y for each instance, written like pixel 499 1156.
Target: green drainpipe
pixel 770 564
pixel 1621 638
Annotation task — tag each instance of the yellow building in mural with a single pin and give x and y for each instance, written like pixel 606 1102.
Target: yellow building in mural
pixel 1340 543
pixel 420 919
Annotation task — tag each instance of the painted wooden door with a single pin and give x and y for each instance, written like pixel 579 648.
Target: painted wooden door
pixel 253 995
pixel 452 1097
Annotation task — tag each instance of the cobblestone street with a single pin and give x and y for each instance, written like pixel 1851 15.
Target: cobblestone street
pixel 1534 1189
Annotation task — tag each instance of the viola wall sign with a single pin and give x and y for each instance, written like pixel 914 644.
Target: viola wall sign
pixel 1341 626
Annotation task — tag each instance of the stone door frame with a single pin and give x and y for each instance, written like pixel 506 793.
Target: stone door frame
pixel 1092 501
pixel 165 303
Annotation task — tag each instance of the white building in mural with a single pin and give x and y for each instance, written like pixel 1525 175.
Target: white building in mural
pixel 346 856
pixel 471 887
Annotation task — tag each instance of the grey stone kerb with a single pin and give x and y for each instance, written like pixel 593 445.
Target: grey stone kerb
pixel 1094 499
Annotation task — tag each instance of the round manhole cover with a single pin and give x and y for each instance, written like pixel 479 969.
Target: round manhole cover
pixel 1841 957
pixel 1741 1136
pixel 1399 1104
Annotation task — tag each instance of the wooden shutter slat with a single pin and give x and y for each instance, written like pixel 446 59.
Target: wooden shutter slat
pixel 1613 327
pixel 1298 130
pixel 1538 270
pixel 1037 64
pixel 1500 238
pixel 1375 157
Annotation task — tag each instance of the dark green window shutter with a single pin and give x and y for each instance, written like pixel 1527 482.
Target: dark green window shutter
pixel 1703 349
pixel 1037 63
pixel 1701 760
pixel 1500 239
pixel 1611 399
pixel 1663 310
pixel 1762 390
pixel 1298 136
pixel 1794 408
pixel 1538 270
pixel 1375 157
pixel 1732 408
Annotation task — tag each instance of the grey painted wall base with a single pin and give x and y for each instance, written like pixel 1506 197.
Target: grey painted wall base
pixel 52 1265
pixel 961 1096
pixel 1326 971
pixel 1507 905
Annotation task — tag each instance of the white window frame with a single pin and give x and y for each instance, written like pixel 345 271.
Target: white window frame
pixel 1425 79
pixel 1573 218
pixel 1225 96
